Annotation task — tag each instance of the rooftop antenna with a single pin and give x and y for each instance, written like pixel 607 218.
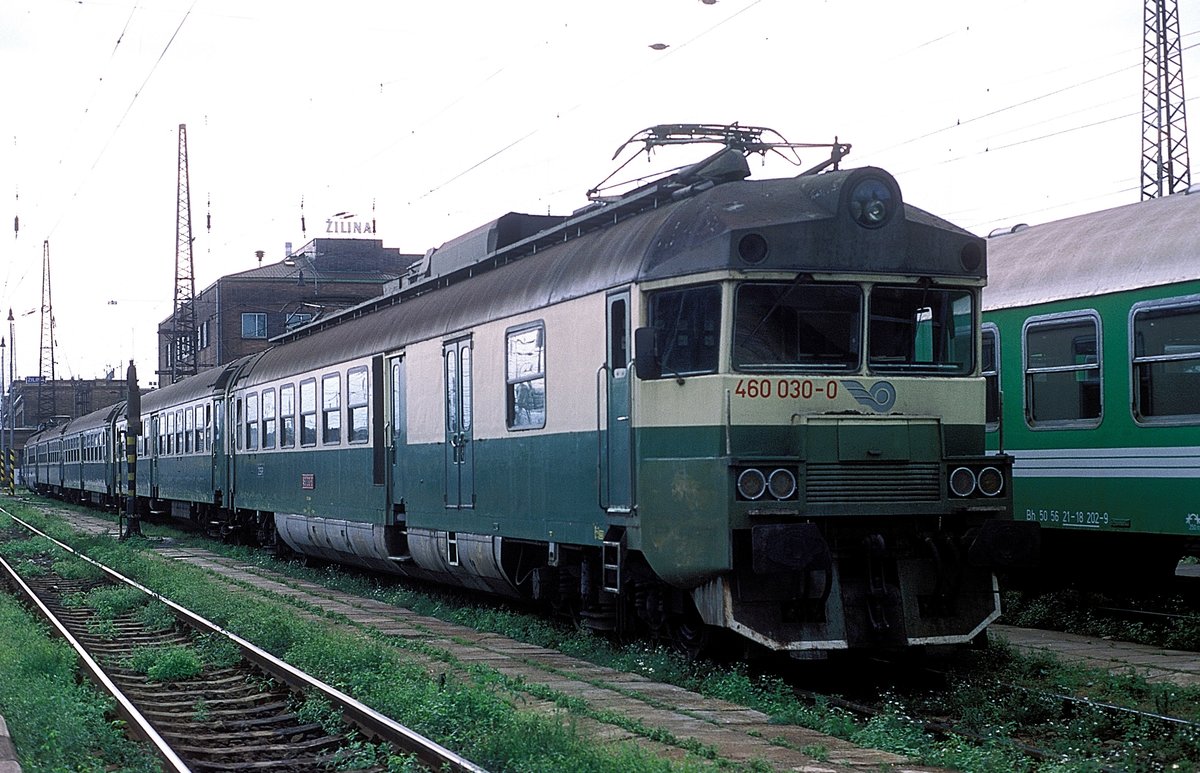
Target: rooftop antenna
pixel 1164 119
pixel 183 318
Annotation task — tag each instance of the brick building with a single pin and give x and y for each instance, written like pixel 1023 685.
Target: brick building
pixel 239 313
pixel 36 403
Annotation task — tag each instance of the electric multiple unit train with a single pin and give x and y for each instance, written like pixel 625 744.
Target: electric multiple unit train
pixel 710 404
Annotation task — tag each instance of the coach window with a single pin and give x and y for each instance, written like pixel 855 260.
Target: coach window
pixel 308 412
pixel 331 408
pixel 170 434
pixel 252 421
pixel 687 327
pixel 525 391
pixel 268 418
pixel 990 368
pixel 356 405
pixel 1062 371
pixel 1166 361
pixel 287 415
pixel 199 429
pixel 783 326
pixel 188 430
pixel 254 325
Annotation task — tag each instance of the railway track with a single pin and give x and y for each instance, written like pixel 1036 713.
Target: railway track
pixel 240 716
pixel 609 705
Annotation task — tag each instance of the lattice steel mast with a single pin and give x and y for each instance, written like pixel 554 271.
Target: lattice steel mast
pixel 1164 120
pixel 183 318
pixel 47 405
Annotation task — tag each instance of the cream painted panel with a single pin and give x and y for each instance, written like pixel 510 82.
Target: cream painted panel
pixel 425 392
pixel 575 349
pixel 702 401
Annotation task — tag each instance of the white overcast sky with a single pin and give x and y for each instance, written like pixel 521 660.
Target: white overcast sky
pixel 435 117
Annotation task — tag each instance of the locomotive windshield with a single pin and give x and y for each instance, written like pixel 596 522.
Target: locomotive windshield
pixel 921 330
pixel 780 326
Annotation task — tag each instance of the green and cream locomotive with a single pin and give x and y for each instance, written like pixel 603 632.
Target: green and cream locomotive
pixel 708 404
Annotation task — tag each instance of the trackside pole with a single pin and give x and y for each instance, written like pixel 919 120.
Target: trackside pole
pixel 133 428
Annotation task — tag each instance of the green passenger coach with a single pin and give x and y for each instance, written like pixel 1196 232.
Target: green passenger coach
pixel 708 405
pixel 1092 357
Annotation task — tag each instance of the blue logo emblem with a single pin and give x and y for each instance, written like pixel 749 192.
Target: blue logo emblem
pixel 880 397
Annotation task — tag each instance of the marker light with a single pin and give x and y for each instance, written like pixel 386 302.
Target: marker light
pixel 991 481
pixel 782 484
pixel 962 482
pixel 751 483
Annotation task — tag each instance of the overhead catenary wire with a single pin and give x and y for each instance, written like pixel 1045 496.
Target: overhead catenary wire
pixel 121 121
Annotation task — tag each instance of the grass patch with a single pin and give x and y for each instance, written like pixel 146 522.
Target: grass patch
pixel 57 723
pixel 166 664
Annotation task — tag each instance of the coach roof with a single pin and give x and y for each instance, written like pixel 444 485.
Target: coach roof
pixel 1151 243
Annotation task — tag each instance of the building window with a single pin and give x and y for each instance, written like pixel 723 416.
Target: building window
pixel 308 412
pixel 991 375
pixel 331 408
pixel 254 324
pixel 525 369
pixel 287 416
pixel 202 336
pixel 1062 371
pixel 1166 361
pixel 357 402
pixel 268 418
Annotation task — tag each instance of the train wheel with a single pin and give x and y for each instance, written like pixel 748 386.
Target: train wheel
pixel 689 634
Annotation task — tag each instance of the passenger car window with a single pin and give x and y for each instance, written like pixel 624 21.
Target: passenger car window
pixel 287 415
pixel 990 368
pixel 1166 362
pixel 1062 371
pixel 358 405
pixel 331 408
pixel 308 412
pixel 525 372
pixel 268 418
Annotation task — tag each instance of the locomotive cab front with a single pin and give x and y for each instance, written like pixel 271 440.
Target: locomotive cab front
pixel 810 415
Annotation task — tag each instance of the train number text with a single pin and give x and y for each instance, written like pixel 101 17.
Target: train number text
pixel 786 388
pixel 1088 519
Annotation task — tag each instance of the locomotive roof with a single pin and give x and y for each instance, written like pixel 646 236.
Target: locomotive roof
pixel 656 234
pixel 1150 243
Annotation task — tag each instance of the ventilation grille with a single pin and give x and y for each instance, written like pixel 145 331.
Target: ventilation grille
pixel 829 483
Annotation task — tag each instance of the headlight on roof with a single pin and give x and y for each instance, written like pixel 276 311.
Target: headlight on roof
pixel 870 202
